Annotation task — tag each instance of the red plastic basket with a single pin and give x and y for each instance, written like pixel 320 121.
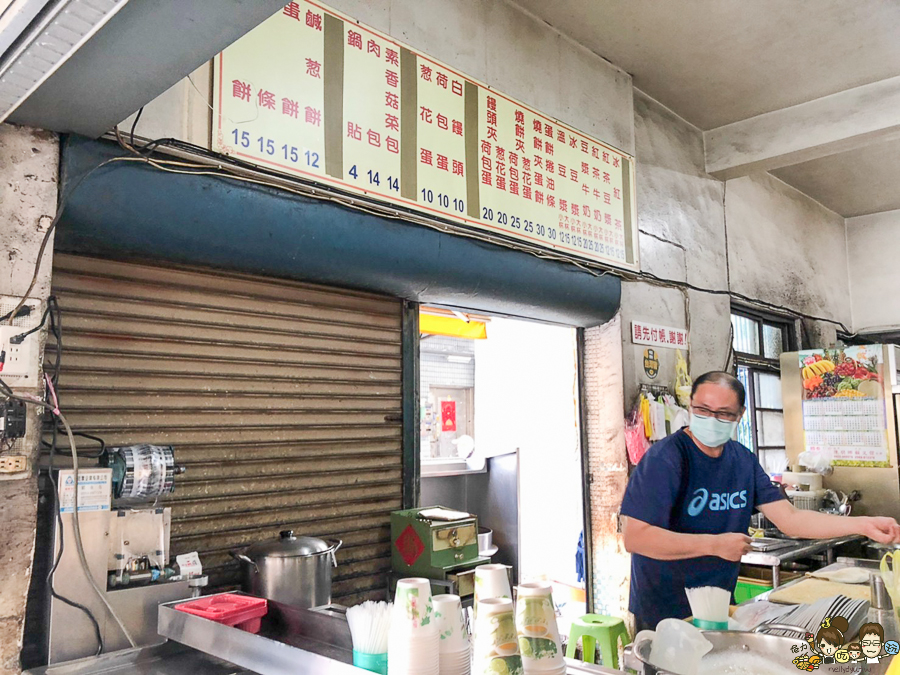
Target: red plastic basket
pixel 240 611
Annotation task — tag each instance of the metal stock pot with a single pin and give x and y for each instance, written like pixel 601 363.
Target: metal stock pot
pixel 292 570
pixel 773 647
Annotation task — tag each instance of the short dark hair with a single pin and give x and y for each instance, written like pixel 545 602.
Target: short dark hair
pixel 723 379
pixel 871 629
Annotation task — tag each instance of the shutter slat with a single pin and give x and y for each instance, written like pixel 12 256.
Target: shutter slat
pixel 281 399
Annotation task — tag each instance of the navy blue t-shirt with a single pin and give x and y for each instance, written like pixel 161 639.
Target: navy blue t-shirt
pixel 716 495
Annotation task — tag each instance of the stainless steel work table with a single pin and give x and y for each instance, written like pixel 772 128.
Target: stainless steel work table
pixel 291 642
pixel 800 548
pixel 169 658
pixel 886 617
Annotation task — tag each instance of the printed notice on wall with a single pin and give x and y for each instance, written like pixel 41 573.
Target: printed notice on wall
pixel 658 336
pixel 844 414
pixel 94 490
pixel 312 93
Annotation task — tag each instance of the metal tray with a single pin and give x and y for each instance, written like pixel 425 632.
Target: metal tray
pixel 291 641
pixel 770 544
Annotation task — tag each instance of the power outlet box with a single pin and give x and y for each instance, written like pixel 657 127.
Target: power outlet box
pixel 20 360
pixel 20 366
pixel 13 463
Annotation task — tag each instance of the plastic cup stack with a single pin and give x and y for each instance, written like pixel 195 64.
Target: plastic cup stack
pixel 491 581
pixel 496 650
pixel 455 651
pixel 539 641
pixel 414 643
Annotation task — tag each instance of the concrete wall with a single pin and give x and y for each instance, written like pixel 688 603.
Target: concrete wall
pixel 787 248
pixel 755 236
pixel 873 251
pixel 29 161
pixel 682 238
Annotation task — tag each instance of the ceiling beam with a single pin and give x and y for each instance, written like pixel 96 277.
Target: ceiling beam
pixel 840 122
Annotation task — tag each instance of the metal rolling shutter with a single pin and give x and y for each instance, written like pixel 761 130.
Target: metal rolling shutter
pixel 283 400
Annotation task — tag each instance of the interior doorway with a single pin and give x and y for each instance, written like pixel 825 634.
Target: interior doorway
pixel 511 390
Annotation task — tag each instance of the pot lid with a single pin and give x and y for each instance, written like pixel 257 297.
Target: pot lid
pixel 287 546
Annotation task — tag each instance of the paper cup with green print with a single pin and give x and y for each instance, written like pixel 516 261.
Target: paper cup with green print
pixel 451 625
pixel 413 607
pixel 495 630
pixel 500 665
pixel 491 581
pixel 537 630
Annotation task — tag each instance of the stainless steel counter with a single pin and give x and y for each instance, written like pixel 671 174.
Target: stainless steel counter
pixel 887 618
pixel 291 641
pixel 169 658
pixel 799 548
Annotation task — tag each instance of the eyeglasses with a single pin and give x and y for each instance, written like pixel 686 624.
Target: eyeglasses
pixel 722 415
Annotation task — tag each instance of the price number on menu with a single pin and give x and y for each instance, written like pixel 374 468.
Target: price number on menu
pixel 268 146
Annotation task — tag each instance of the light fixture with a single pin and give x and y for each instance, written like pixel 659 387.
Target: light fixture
pixel 460 316
pixel 452 358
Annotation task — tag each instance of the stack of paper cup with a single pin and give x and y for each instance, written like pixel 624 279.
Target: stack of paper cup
pixel 496 650
pixel 491 581
pixel 455 655
pixel 538 634
pixel 414 640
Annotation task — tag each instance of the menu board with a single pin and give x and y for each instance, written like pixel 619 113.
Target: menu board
pixel 844 409
pixel 312 93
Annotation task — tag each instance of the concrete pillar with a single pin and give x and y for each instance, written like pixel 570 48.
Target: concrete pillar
pixel 607 465
pixel 29 167
pixel 817 334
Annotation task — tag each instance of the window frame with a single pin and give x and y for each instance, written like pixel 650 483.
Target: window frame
pixel 788 336
pixel 757 364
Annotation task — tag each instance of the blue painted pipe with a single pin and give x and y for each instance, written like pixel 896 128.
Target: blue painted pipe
pixel 131 211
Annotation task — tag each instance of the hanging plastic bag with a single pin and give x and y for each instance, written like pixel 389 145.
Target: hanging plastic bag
pixel 644 405
pixel 635 435
pixel 657 421
pixel 680 419
pixel 683 382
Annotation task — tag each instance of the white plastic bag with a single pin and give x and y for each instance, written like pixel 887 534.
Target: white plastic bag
pixel 818 462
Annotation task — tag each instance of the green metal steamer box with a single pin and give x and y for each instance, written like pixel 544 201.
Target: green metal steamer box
pixel 429 542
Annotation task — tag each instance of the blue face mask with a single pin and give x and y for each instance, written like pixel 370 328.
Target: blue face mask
pixel 710 431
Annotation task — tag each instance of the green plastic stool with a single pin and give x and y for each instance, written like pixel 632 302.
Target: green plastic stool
pixel 596 630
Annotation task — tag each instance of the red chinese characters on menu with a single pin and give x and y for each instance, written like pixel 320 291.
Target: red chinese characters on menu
pixel 543 181
pixel 262 115
pixel 371 109
pixel 474 155
pixel 441 138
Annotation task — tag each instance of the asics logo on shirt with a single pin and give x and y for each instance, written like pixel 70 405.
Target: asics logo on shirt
pixel 718 501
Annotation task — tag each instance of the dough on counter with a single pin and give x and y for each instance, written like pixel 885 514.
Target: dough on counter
pixel 847 575
pixel 810 590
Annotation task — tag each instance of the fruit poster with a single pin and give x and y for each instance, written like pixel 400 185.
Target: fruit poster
pixel 844 412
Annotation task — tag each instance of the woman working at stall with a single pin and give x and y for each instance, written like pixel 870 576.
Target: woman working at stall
pixel 688 504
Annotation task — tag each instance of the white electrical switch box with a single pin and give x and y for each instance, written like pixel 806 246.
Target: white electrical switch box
pixel 19 360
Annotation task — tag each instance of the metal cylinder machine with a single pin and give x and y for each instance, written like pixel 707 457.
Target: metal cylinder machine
pixel 126 535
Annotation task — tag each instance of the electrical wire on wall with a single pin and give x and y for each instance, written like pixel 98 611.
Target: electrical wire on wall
pixel 220 166
pixel 53 381
pixel 51 404
pixel 225 167
pixel 76 526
